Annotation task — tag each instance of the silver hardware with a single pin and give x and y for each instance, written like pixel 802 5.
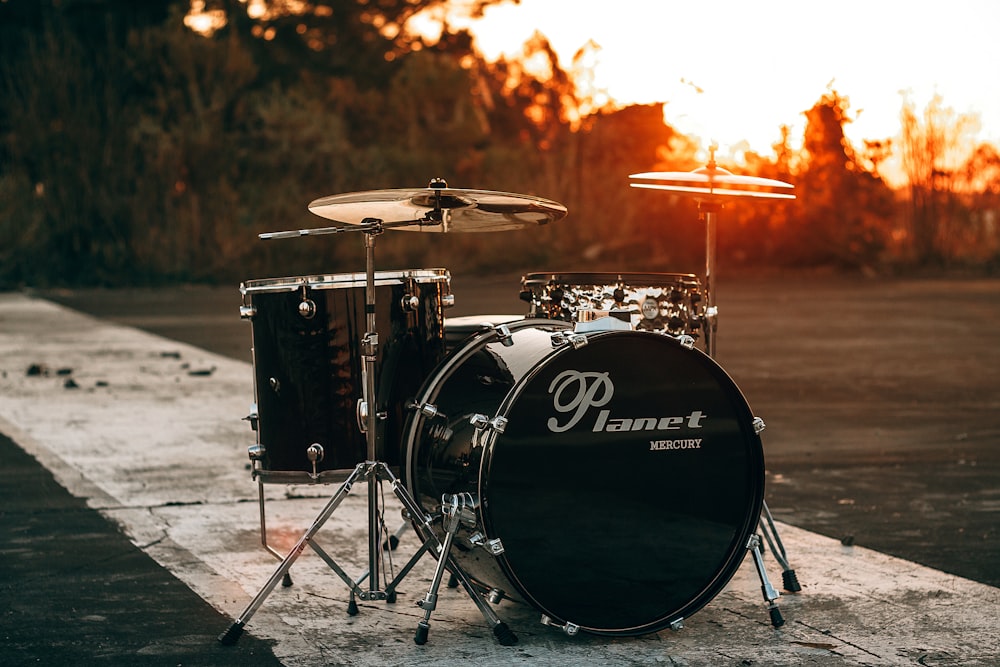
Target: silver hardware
pixel 686 341
pixel 369 343
pixel 448 301
pixel 479 420
pixel 677 624
pixel 570 629
pixel 256 452
pixel 496 596
pixel 758 425
pixel 253 417
pixel 428 410
pixel 274 384
pixel 560 338
pixel 247 312
pixel 307 309
pixel 753 546
pixel 494 546
pixel 362 413
pixel 498 424
pixel 504 335
pixel 315 454
pixel 410 303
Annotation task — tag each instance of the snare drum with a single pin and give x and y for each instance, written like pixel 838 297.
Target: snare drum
pixel 616 476
pixel 307 358
pixel 665 302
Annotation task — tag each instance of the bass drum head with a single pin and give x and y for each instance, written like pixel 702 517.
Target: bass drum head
pixel 625 485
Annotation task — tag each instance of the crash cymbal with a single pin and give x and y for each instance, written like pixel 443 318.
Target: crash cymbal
pixel 439 209
pixel 712 182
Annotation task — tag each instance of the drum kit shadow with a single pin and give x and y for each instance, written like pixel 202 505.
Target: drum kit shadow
pixel 586 459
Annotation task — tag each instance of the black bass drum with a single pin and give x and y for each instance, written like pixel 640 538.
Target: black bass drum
pixel 618 475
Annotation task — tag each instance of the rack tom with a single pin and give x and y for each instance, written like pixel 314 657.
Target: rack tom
pixel 308 366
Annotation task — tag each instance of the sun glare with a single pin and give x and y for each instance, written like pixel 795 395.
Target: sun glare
pixel 736 72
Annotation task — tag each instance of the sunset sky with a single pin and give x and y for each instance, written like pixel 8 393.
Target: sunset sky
pixel 760 63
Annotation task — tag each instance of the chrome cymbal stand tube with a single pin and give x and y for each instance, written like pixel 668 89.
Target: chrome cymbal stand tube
pixel 708 211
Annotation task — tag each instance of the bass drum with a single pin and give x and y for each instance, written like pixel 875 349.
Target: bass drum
pixel 617 475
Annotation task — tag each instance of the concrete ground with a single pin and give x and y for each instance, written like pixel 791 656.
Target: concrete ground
pixel 150 436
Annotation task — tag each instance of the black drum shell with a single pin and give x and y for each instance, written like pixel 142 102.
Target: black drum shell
pixel 308 363
pixel 620 533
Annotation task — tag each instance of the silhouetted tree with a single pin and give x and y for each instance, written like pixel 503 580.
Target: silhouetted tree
pixel 843 211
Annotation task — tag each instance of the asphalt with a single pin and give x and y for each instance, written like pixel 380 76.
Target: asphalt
pixel 155 546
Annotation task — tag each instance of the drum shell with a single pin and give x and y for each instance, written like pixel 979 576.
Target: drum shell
pixel 308 363
pixel 600 530
pixel 584 296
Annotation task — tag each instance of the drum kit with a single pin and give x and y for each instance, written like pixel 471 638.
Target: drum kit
pixel 586 459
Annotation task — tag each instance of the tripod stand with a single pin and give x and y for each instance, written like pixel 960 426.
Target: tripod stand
pixel 374 472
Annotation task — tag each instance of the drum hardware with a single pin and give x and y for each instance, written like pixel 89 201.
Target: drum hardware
pixel 456 510
pixel 561 338
pixel 436 208
pixel 570 629
pixel 770 594
pixel 711 186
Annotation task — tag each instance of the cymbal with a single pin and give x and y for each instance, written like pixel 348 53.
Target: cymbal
pixel 439 209
pixel 704 183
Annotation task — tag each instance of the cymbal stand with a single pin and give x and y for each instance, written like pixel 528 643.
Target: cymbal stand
pixel 708 210
pixel 373 472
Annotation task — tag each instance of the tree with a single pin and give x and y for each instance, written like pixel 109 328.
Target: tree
pixel 932 146
pixel 843 212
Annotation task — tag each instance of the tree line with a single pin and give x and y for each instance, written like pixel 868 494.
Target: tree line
pixel 136 150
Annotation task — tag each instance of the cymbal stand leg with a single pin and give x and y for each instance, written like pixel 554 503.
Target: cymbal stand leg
pixel 789 580
pixel 231 635
pixel 770 594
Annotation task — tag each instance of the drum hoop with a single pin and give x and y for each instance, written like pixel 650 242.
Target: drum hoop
pixel 344 280
pixel 607 278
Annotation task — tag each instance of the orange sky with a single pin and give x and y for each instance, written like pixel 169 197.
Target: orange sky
pixel 759 63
